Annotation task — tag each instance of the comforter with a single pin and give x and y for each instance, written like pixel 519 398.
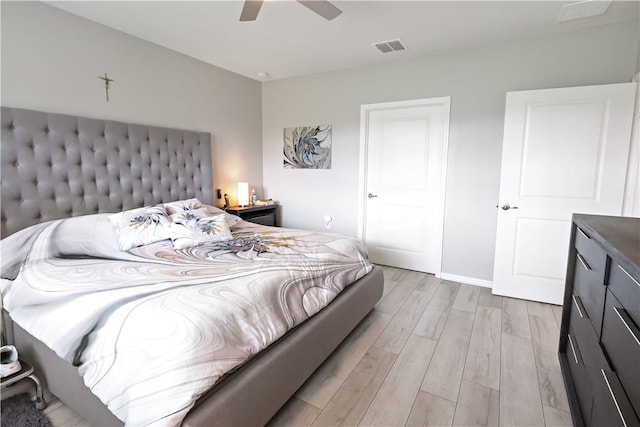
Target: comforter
pixel 153 328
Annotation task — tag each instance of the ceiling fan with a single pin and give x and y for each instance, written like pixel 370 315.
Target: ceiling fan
pixel 321 7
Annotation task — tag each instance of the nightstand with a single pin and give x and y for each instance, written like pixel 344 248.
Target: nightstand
pixel 265 215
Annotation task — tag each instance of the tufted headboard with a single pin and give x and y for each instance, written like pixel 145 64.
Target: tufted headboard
pixel 56 166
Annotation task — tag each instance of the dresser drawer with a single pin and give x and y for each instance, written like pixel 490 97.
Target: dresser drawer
pixel 580 379
pixel 611 407
pixel 621 340
pixel 626 288
pixel 591 292
pixel 585 337
pixel 591 255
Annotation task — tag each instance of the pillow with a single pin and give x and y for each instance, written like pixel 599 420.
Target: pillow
pixel 188 233
pixel 195 204
pixel 230 218
pixel 183 205
pixel 186 215
pixel 137 227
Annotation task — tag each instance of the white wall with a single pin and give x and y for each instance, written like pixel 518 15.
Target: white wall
pixel 477 81
pixel 51 60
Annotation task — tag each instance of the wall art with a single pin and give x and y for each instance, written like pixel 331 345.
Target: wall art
pixel 307 147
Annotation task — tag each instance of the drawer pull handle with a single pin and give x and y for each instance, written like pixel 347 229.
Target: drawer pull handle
pixel 606 380
pixel 630 276
pixel 583 262
pixel 577 304
pixel 622 314
pixel 584 234
pixel 573 350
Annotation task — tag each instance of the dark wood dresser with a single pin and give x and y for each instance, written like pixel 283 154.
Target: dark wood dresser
pixel 599 336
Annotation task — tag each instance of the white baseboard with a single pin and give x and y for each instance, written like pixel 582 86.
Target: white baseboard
pixel 467 280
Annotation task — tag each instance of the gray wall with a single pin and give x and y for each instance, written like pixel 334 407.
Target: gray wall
pixel 477 81
pixel 51 60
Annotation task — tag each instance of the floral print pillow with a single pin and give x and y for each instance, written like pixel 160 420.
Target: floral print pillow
pixel 186 215
pixel 183 205
pixel 141 226
pixel 192 231
pixel 192 205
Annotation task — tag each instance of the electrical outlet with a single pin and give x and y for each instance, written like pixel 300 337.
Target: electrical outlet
pixel 327 221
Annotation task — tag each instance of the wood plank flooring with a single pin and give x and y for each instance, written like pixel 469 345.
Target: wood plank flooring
pixel 432 353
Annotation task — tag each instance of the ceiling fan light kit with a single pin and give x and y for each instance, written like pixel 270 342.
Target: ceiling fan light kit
pixel 323 8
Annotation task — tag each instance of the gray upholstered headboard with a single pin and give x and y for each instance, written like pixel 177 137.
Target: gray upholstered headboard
pixel 56 166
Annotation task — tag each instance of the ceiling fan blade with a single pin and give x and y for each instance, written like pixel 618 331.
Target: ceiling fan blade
pixel 250 10
pixel 322 8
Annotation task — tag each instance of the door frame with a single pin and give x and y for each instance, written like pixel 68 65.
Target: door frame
pixel 365 110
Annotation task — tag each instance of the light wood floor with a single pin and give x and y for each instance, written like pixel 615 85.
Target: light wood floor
pixel 432 353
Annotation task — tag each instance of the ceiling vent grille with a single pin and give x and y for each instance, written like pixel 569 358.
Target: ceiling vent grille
pixel 390 46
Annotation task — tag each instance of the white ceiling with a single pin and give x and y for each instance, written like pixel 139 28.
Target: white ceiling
pixel 289 40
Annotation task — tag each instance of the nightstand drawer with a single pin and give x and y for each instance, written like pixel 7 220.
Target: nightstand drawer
pixel 264 215
pixel 269 219
pixel 621 341
pixel 626 288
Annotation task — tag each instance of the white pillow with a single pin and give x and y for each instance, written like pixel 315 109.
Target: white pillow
pixel 186 215
pixel 183 205
pixel 187 233
pixel 141 226
pixel 195 204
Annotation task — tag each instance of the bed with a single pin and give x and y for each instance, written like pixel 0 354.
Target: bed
pixel 58 169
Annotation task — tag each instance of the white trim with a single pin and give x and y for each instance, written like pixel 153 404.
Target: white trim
pixel 365 110
pixel 631 201
pixel 467 280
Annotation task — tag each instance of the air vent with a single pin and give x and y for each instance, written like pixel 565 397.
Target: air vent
pixel 390 46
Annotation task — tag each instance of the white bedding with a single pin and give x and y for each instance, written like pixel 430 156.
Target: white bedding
pixel 151 329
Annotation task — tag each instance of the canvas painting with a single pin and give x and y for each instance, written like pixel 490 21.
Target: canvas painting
pixel 307 147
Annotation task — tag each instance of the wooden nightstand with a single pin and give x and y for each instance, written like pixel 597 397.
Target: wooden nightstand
pixel 265 215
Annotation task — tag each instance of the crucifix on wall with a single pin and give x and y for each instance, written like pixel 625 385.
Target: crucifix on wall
pixel 107 80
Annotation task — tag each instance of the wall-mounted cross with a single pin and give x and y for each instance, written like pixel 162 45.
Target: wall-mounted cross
pixel 107 80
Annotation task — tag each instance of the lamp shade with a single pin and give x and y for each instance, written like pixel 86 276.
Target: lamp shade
pixel 243 194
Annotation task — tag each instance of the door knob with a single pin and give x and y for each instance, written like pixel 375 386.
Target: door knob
pixel 506 207
pixel 371 196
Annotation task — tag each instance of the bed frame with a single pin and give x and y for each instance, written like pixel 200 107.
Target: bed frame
pixel 56 166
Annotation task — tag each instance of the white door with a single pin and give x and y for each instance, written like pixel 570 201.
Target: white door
pixel 565 151
pixel 404 146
